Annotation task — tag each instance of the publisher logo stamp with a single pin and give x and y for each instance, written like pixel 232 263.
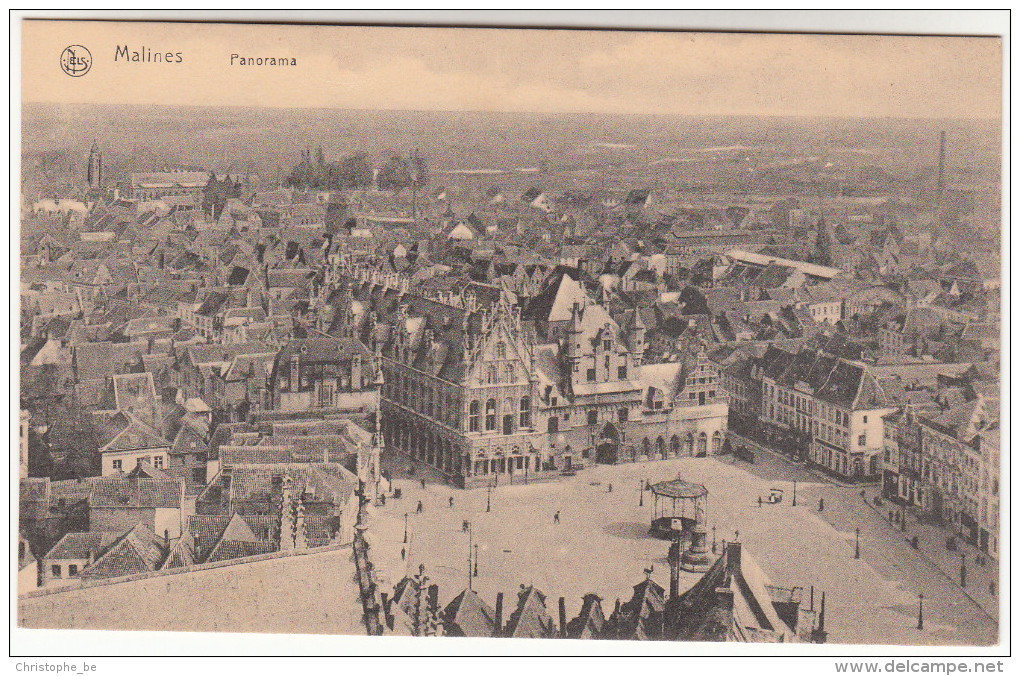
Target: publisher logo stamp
pixel 76 60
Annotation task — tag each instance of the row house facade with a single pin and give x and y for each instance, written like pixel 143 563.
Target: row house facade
pixel 902 462
pixel 231 379
pixel 824 409
pixel 324 373
pixel 960 471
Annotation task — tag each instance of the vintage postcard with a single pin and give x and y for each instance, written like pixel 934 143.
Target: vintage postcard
pixel 611 335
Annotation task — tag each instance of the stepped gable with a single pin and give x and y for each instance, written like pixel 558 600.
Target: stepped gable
pixel 591 622
pixel 641 617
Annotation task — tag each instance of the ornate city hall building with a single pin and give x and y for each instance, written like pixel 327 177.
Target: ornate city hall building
pixel 471 389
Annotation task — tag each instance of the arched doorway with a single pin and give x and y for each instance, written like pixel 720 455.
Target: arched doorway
pixel 702 445
pixel 608 446
pixel 690 444
pixel 716 443
pixel 646 448
pixel 660 448
pixel 674 446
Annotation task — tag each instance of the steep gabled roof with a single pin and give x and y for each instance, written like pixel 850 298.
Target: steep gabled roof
pixel 530 620
pixel 81 545
pixel 468 615
pixel 135 436
pixel 182 553
pixel 137 551
pixel 238 541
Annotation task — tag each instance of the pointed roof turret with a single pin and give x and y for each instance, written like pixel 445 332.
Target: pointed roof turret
pixel 575 319
pixel 635 321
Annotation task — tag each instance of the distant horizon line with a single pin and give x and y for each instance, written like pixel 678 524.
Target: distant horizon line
pixel 513 112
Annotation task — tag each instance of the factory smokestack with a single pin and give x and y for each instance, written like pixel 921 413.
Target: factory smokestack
pixel 942 164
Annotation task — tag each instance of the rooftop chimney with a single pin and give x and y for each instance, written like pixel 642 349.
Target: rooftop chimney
pixel 942 163
pixel 674 569
pixel 732 558
pixel 386 607
pixel 498 628
pixel 821 613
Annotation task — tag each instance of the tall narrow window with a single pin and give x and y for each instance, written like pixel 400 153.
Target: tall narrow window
pixel 490 415
pixel 525 412
pixel 500 350
pixel 473 418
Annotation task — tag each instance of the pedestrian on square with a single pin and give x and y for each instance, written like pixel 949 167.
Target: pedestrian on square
pixel 556 517
pixel 420 507
pixel 403 553
pixel 821 504
pixel 610 488
pixel 423 483
pixel 759 502
pixel 451 502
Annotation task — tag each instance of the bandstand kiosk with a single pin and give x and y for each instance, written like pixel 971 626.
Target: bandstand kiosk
pixel 678 513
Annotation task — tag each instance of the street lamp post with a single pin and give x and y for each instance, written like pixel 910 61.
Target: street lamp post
pixel 488 498
pixel 920 612
pixel 857 545
pixel 903 519
pixel 641 492
pixel 713 539
pixel 794 492
pixel 476 560
pixel 405 527
pixel 471 537
pixel 963 569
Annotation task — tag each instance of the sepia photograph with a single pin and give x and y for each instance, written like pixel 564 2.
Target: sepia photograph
pixel 593 334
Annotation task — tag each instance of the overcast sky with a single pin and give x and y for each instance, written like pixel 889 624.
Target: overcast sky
pixel 523 70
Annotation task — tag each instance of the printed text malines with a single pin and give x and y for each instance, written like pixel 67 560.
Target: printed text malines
pixel 146 55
